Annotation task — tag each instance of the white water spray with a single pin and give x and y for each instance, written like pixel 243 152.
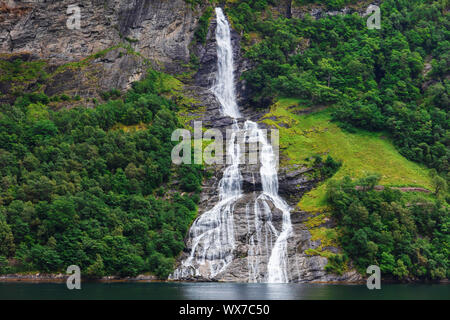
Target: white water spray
pixel 277 265
pixel 224 89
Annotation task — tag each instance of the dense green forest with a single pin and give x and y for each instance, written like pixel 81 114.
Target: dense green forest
pixel 77 189
pixel 375 79
pixel 406 237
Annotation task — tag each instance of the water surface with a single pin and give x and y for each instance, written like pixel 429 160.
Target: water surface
pixel 220 291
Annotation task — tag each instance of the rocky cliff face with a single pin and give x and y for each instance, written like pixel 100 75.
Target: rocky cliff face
pixel 160 31
pixel 290 9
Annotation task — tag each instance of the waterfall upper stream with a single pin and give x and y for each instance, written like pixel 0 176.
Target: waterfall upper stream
pixel 212 242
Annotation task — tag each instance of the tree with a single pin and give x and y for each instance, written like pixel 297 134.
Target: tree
pixel 4 265
pixel 387 262
pixel 97 269
pixel 7 246
pixel 328 68
pixel 400 270
pixel 160 265
pixel 44 258
pixel 440 185
pixel 61 215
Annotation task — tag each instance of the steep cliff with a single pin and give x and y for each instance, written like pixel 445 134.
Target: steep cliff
pixel 129 35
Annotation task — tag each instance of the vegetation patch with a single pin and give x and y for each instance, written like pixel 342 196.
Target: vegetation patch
pixel 328 237
pixel 360 152
pixel 16 75
pixel 407 238
pixel 375 78
pixel 76 190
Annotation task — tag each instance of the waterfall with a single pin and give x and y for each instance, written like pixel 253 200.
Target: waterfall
pixel 277 265
pixel 211 236
pixel 224 89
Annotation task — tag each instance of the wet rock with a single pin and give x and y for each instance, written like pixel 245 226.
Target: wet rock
pixel 208 59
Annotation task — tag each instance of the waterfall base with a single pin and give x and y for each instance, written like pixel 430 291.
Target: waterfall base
pixel 251 255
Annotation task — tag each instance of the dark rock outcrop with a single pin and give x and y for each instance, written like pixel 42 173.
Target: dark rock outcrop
pixel 160 31
pixel 289 9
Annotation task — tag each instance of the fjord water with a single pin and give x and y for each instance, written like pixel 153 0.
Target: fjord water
pixel 211 237
pixel 221 291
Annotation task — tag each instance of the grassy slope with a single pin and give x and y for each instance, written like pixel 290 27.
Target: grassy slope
pixel 361 152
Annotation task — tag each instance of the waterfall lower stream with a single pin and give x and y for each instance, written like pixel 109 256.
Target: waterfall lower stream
pixel 212 235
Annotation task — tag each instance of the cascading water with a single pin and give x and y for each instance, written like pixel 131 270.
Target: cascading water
pixel 277 265
pixel 212 234
pixel 224 89
pixel 212 240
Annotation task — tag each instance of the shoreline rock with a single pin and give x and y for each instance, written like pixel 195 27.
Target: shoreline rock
pixel 61 277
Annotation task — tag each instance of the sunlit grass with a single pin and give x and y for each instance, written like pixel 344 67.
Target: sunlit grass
pixel 361 153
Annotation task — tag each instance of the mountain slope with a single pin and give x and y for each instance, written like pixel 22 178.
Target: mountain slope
pixel 85 169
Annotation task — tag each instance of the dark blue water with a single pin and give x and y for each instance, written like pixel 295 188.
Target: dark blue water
pixel 221 291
